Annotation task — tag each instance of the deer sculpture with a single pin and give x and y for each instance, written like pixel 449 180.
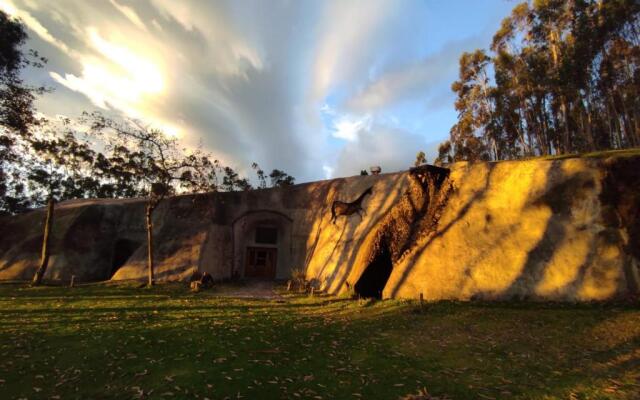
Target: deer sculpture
pixel 339 208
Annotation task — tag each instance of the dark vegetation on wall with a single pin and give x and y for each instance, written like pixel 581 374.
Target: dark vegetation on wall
pixel 415 216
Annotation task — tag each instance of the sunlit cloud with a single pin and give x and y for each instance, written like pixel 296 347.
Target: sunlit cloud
pixel 347 28
pixel 348 127
pixel 118 79
pixel 130 14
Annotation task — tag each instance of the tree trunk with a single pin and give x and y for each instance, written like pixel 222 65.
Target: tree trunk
pixel 44 258
pixel 149 213
pixel 566 139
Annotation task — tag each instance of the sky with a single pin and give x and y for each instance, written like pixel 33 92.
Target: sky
pixel 319 89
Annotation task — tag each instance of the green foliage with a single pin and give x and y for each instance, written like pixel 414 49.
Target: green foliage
pixel 262 179
pixel 421 159
pixel 281 178
pixel 165 342
pixel 566 78
pixel 363 172
pixel 16 112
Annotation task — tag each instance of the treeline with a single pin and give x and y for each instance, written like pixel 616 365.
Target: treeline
pixel 92 156
pixel 562 76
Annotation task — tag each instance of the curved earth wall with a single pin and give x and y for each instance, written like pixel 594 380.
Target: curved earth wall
pixel 566 229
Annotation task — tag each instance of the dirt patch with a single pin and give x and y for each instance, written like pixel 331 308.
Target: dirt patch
pixel 248 290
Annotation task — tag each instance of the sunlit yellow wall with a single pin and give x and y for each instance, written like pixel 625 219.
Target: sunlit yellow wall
pixel 333 248
pixel 518 230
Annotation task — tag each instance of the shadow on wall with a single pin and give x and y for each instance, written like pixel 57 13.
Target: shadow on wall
pixel 339 244
pixel 533 230
pixel 414 216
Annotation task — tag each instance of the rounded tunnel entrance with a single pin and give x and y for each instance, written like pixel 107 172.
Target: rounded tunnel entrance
pixel 376 274
pixel 122 251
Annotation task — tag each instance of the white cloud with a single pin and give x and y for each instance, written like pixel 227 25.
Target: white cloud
pixel 391 149
pixel 130 14
pixel 406 82
pixel 348 127
pixel 227 49
pixel 328 171
pixel 346 42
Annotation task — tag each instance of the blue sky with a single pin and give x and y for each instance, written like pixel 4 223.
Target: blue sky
pixel 317 88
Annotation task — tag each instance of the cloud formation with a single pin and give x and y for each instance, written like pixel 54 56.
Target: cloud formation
pixel 314 88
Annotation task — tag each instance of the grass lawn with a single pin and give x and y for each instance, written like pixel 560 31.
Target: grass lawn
pixel 98 342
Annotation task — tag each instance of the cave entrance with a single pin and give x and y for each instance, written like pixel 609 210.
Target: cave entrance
pixel 375 276
pixel 122 251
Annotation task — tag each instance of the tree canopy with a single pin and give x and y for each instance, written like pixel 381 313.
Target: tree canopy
pixel 561 76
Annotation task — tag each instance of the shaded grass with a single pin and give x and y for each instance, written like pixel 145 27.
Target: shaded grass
pixel 121 342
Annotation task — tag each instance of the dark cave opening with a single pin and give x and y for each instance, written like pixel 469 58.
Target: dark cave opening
pixel 375 276
pixel 122 250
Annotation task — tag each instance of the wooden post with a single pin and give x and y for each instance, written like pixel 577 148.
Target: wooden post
pixel 44 258
pixel 149 212
pixel 289 285
pixel 73 278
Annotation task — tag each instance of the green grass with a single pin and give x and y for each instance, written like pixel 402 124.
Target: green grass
pixel 633 152
pixel 98 342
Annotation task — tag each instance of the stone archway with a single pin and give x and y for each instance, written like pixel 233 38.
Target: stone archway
pixel 257 233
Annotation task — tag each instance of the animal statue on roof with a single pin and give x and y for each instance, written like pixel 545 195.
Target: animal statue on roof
pixel 339 208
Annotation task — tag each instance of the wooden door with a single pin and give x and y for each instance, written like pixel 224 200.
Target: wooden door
pixel 261 263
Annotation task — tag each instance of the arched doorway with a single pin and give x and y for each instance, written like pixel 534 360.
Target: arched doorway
pixel 376 274
pixel 262 245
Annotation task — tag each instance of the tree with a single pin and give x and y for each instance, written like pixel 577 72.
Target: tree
pixel 473 106
pixel 160 162
pixel 363 172
pixel 16 112
pixel 566 78
pixel 421 158
pixel 232 181
pixel 262 179
pixel 281 178
pixel 444 154
pixel 59 167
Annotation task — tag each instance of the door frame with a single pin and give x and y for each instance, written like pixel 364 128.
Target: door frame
pixel 250 255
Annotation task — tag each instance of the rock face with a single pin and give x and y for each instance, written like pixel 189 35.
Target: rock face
pixel 559 230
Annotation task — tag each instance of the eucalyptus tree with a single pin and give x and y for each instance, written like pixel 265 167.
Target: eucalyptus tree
pixel 566 78
pixel 262 178
pixel 472 104
pixel 280 178
pixel 58 166
pixel 163 166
